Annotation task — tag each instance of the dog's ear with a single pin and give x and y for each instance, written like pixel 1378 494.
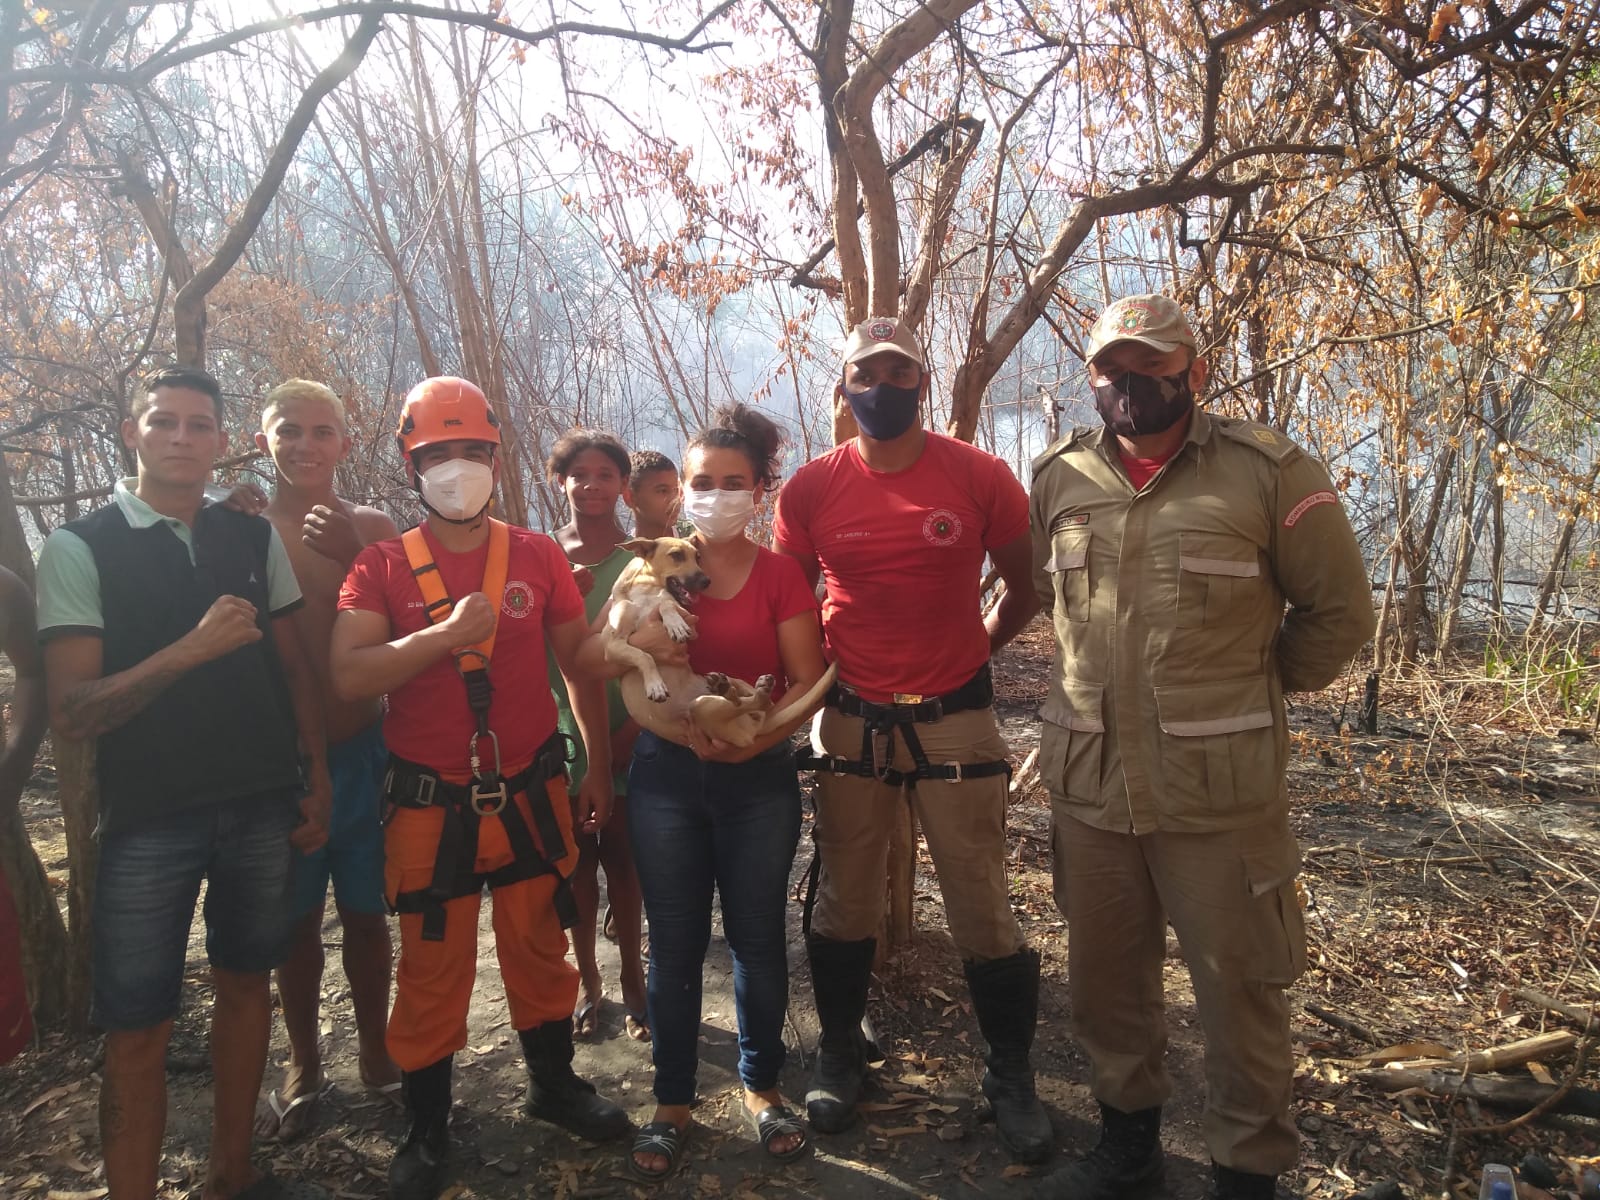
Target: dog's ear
pixel 643 547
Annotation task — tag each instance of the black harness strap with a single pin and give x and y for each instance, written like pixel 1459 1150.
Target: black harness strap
pixel 410 785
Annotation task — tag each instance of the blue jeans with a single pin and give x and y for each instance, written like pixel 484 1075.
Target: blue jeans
pixel 696 825
pixel 146 885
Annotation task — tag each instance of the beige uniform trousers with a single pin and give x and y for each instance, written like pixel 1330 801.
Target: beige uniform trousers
pixel 1230 898
pixel 965 824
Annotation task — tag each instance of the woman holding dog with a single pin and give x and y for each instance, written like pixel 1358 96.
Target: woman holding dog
pixel 708 815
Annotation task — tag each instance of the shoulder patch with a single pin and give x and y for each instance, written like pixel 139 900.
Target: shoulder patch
pixel 1261 438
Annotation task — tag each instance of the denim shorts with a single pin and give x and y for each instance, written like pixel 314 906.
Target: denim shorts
pixel 353 854
pixel 145 891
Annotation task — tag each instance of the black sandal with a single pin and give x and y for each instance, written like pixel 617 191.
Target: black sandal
pixel 658 1137
pixel 776 1121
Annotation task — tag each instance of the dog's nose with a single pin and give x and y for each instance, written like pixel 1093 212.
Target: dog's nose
pixel 699 581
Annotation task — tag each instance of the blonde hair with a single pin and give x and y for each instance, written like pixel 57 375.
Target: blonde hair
pixel 291 390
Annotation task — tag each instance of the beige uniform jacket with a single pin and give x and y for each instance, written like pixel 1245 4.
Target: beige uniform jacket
pixel 1173 644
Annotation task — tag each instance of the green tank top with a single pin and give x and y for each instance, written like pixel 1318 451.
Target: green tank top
pixel 605 574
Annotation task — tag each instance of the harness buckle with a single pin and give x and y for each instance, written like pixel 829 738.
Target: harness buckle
pixel 956 767
pixel 489 801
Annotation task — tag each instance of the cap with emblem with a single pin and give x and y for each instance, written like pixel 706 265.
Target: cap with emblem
pixel 879 335
pixel 1156 321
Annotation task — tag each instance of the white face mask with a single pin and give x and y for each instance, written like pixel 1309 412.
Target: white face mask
pixel 718 515
pixel 458 489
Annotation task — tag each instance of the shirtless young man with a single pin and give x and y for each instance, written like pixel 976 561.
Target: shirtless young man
pixel 303 429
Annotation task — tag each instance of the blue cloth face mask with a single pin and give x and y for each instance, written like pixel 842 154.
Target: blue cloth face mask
pixel 884 411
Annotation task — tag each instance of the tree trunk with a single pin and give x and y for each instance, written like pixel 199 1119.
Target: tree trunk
pixel 1558 560
pixel 80 809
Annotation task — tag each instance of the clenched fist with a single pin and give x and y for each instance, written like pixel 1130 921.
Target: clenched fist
pixel 471 620
pixel 229 623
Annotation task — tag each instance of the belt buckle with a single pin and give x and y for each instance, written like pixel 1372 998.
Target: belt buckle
pixel 956 778
pixel 488 801
pixel 426 785
pixel 908 697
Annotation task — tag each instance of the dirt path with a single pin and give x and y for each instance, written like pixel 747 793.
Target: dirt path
pixel 1430 890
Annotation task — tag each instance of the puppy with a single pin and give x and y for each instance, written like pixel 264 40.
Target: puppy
pixel 664 578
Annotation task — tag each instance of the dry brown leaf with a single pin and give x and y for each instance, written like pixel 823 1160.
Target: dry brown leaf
pixel 91 1194
pixel 54 1093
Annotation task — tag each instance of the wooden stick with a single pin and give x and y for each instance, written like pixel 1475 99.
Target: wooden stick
pixel 1348 1024
pixel 1583 1016
pixel 1493 1090
pixel 1511 1054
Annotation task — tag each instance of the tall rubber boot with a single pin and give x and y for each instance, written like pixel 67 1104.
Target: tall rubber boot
pixel 840 975
pixel 557 1095
pixel 1228 1184
pixel 417 1172
pixel 1005 995
pixel 1125 1162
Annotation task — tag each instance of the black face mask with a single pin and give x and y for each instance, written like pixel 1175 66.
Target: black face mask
pixel 1134 405
pixel 884 412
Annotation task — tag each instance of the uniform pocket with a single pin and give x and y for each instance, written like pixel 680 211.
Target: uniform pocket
pixel 1279 955
pixel 1069 569
pixel 1218 752
pixel 1072 742
pixel 1219 578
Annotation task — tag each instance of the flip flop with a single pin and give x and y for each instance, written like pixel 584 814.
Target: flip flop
pixel 637 1026
pixel 658 1137
pixel 586 1020
pixel 776 1121
pixel 290 1120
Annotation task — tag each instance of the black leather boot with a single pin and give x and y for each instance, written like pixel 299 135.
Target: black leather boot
pixel 1005 995
pixel 1228 1184
pixel 417 1172
pixel 557 1095
pixel 840 975
pixel 1124 1163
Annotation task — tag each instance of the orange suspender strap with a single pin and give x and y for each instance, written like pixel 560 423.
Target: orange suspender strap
pixel 431 583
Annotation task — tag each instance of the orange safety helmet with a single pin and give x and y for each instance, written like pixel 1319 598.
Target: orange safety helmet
pixel 445 408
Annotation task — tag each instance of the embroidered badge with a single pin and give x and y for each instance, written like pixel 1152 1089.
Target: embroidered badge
pixel 518 601
pixel 1310 502
pixel 942 527
pixel 881 331
pixel 1265 436
pixel 1068 521
pixel 1134 318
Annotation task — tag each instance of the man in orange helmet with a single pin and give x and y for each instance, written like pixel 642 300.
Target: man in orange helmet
pixel 476 792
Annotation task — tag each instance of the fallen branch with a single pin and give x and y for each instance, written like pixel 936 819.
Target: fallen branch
pixel 1495 1091
pixel 1583 1016
pixel 1348 1024
pixel 1512 1054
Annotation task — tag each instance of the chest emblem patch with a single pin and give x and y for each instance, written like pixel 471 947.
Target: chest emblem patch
pixel 941 527
pixel 518 600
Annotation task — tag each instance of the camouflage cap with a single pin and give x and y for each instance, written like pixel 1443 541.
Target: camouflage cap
pixel 877 335
pixel 1156 321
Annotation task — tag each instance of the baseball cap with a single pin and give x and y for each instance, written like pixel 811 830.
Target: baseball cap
pixel 1154 320
pixel 877 335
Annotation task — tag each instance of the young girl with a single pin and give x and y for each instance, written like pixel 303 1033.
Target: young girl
pixel 716 816
pixel 592 468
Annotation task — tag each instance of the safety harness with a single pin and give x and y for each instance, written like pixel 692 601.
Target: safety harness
pixel 489 794
pixel 903 717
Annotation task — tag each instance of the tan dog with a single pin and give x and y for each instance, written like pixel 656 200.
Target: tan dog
pixel 664 579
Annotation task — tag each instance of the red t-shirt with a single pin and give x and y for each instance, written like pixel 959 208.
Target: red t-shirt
pixel 428 720
pixel 739 636
pixel 902 554
pixel 1142 470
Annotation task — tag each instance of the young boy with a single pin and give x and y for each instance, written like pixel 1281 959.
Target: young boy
pixel 652 494
pixel 303 429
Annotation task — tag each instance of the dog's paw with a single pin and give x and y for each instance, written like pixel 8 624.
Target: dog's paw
pixel 656 691
pixel 717 683
pixel 678 629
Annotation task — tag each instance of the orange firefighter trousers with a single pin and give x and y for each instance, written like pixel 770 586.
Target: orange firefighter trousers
pixel 433 984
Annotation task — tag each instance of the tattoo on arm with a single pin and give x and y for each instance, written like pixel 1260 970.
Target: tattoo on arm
pixel 101 705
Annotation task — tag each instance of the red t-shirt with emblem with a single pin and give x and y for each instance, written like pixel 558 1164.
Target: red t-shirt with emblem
pixel 902 554
pixel 428 721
